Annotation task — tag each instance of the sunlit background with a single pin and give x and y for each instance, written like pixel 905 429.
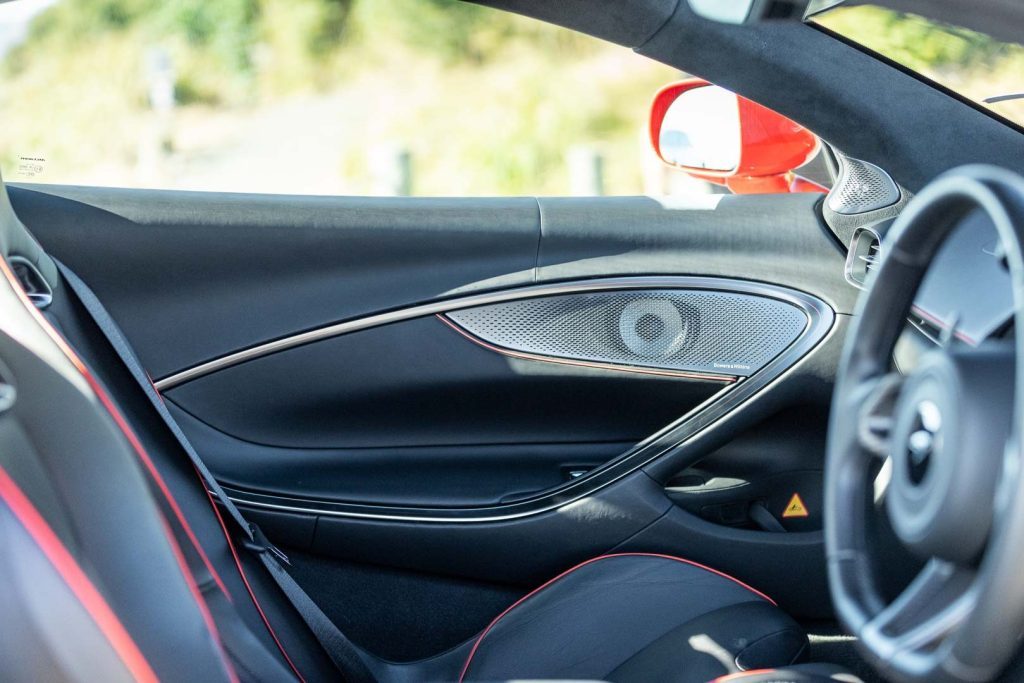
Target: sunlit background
pixel 425 97
pixel 428 97
pixel 972 64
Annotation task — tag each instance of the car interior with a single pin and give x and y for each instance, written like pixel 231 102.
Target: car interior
pixel 763 436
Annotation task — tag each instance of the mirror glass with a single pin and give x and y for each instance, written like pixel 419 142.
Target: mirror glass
pixel 701 130
pixel 725 11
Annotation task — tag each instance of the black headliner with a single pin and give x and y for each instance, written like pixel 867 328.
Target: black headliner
pixel 861 105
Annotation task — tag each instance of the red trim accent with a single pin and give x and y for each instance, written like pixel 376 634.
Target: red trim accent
pixel 76 579
pixel 252 594
pixel 122 424
pixel 941 324
pixel 141 452
pixel 725 379
pixel 483 634
pixel 161 484
pixel 119 420
pixel 740 675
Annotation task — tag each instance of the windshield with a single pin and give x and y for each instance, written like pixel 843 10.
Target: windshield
pixel 980 68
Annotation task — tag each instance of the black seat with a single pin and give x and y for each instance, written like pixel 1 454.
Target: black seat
pixel 117 564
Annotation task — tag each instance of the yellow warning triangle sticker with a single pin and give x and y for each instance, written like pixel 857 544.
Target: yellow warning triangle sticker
pixel 795 507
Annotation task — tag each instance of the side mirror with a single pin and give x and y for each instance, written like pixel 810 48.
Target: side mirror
pixel 718 136
pixel 750 11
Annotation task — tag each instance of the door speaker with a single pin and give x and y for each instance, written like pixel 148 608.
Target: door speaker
pixel 862 187
pixel 686 330
pixel 652 328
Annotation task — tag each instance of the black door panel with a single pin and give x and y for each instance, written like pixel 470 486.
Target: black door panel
pixel 524 550
pixel 433 476
pixel 232 271
pixel 769 238
pixel 469 406
pixel 418 383
pixel 211 273
pixel 408 442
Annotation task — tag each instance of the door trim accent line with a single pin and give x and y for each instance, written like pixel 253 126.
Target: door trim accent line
pixel 730 399
pixel 791 296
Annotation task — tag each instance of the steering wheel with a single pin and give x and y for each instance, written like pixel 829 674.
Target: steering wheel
pixel 952 429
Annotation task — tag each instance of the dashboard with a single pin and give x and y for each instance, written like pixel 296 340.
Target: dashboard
pixel 967 289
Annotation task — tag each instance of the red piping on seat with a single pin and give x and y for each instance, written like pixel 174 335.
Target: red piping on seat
pixel 83 589
pixel 119 420
pixel 252 594
pixel 129 434
pixel 141 452
pixel 476 645
pixel 740 675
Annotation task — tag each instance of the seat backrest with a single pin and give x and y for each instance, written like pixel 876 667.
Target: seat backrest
pixel 93 583
pixel 154 505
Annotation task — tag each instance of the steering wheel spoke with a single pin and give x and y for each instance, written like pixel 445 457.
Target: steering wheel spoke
pixel 875 419
pixel 932 606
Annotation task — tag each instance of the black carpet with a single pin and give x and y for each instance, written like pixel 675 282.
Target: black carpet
pixel 400 615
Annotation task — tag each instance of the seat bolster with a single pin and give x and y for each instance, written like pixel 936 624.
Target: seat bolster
pixel 801 673
pixel 44 597
pixel 592 620
pixel 746 636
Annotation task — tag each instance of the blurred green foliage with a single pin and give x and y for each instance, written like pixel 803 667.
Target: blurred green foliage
pixel 487 102
pixel 225 35
pixel 227 28
pixel 911 40
pixel 971 63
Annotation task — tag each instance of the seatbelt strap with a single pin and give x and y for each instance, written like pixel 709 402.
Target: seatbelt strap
pixel 342 652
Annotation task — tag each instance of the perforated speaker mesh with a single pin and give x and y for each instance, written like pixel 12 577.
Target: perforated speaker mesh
pixel 684 330
pixel 862 187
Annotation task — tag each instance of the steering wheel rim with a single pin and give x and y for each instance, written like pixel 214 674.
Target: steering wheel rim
pixel 961 618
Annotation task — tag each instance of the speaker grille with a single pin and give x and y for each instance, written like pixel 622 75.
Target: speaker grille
pixel 862 187
pixel 684 330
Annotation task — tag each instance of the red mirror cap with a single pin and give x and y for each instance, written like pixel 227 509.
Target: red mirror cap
pixel 771 143
pixel 663 99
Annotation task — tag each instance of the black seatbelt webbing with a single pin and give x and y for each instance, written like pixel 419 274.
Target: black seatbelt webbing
pixel 342 652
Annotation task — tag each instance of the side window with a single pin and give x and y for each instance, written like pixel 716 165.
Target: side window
pixel 361 97
pixel 985 71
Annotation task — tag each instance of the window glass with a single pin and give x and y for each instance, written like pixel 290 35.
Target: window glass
pixel 425 97
pixel 982 69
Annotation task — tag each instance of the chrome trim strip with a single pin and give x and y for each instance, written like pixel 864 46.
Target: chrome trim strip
pixel 617 367
pixel 728 400
pixel 433 308
pixel 851 255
